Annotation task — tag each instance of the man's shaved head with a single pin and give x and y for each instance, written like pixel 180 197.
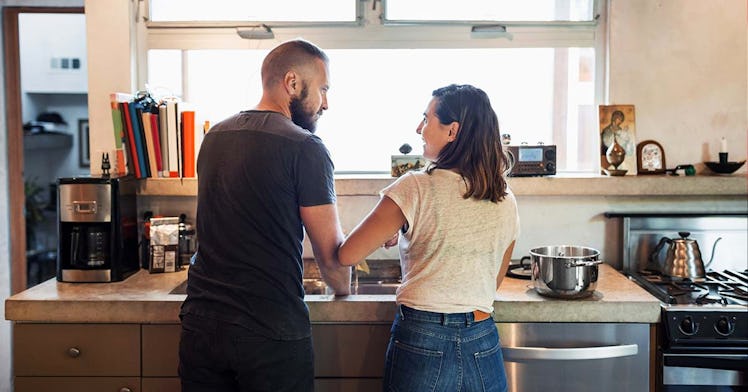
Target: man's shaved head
pixel 290 55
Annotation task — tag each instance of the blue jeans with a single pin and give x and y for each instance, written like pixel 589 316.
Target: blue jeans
pixel 443 352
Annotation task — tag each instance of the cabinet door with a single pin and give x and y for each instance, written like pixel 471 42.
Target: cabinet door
pixel 76 350
pixel 165 384
pixel 349 350
pixel 161 350
pixel 77 384
pixel 348 384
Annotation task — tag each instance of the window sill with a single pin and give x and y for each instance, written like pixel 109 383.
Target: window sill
pixel 576 185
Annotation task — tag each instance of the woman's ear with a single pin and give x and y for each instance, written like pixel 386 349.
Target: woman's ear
pixel 454 129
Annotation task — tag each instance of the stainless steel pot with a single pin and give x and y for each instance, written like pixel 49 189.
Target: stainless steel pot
pixel 564 271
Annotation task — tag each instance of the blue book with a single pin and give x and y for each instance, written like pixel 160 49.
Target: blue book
pixel 139 142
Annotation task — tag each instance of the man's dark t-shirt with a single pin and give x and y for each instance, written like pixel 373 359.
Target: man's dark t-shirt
pixel 255 170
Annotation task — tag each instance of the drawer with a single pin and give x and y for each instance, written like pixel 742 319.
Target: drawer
pixel 76 349
pixel 170 384
pixel 161 350
pixel 77 384
pixel 349 350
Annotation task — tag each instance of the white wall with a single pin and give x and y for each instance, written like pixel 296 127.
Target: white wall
pixel 683 64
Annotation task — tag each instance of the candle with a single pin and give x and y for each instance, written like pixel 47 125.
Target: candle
pixel 723 145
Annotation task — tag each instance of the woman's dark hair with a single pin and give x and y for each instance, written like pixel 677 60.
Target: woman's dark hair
pixel 477 153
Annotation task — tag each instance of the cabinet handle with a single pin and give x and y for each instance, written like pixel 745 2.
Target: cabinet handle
pixel 516 354
pixel 74 352
pixel 125 389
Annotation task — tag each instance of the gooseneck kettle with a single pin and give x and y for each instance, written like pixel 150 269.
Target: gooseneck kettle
pixel 683 258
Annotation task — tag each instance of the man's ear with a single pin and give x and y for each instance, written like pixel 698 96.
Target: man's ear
pixel 291 83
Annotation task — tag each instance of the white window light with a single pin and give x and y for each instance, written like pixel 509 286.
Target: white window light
pixel 542 83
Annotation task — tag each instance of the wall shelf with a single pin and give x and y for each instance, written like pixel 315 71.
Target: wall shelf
pixel 346 185
pixel 47 140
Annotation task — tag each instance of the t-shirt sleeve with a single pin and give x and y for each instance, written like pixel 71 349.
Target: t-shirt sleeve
pixel 315 183
pixel 404 192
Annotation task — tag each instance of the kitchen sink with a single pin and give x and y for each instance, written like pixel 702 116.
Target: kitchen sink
pixel 376 288
pixel 318 287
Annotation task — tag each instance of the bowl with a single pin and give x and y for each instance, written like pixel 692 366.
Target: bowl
pixel 724 168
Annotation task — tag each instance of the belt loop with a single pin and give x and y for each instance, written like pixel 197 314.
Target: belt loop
pixel 468 319
pixel 402 314
pixel 444 318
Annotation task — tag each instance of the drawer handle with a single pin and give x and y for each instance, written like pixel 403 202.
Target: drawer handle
pixel 74 352
pixel 125 389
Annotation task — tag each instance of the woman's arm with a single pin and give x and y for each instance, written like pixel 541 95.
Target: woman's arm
pixel 505 264
pixel 376 229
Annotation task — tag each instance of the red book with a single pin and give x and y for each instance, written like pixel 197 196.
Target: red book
pixel 188 143
pixel 130 138
pixel 156 143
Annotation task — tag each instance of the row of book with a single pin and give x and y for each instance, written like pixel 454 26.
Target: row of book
pixel 155 138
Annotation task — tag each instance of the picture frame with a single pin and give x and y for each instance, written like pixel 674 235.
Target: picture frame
pixel 650 158
pixel 84 153
pixel 618 123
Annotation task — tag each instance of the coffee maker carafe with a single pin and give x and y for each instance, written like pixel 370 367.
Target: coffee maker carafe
pixel 97 229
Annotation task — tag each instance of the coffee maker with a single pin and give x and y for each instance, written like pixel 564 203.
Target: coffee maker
pixel 97 229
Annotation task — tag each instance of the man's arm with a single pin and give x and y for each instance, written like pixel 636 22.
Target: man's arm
pixel 323 228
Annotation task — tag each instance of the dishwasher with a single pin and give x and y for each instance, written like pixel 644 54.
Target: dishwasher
pixel 611 357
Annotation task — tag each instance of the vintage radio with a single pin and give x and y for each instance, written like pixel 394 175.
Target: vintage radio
pixel 526 160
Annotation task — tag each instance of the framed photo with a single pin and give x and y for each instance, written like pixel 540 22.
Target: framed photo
pixel 618 124
pixel 650 158
pixel 84 153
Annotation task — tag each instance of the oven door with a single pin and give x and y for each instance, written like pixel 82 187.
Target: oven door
pixel 705 371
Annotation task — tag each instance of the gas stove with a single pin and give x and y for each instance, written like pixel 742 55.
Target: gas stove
pixel 702 312
pixel 702 339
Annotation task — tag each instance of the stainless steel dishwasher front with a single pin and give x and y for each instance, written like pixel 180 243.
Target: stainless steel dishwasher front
pixel 611 357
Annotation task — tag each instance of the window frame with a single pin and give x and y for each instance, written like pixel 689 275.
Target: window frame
pixel 371 31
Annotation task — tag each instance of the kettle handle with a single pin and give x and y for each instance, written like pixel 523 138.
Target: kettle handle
pixel 656 251
pixel 714 247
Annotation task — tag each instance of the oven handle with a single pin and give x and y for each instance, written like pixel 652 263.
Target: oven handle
pixel 706 361
pixel 516 354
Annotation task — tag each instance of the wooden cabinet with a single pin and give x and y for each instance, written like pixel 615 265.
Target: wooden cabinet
pixel 349 357
pixel 96 357
pixel 101 350
pixel 145 357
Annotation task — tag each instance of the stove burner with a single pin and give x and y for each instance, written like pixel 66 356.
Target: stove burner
pixel 720 288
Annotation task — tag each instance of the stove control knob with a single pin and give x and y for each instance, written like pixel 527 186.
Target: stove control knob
pixel 688 326
pixel 724 326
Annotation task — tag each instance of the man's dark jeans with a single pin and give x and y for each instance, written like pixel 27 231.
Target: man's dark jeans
pixel 217 356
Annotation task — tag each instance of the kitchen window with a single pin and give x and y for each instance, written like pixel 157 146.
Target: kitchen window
pixel 541 72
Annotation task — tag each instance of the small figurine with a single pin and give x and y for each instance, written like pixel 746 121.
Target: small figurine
pixel 105 165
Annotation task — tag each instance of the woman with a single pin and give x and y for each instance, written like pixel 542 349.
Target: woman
pixel 457 224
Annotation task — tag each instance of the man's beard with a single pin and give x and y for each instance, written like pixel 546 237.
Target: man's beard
pixel 299 115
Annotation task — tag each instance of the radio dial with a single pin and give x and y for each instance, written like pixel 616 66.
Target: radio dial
pixel 550 155
pixel 724 326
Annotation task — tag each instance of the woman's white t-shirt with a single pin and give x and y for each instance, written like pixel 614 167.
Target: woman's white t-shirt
pixel 453 249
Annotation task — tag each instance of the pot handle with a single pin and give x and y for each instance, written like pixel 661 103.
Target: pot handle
pixel 574 264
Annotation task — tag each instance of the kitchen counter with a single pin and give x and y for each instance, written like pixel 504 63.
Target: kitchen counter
pixel 145 298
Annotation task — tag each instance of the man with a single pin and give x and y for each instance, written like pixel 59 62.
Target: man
pixel 262 175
